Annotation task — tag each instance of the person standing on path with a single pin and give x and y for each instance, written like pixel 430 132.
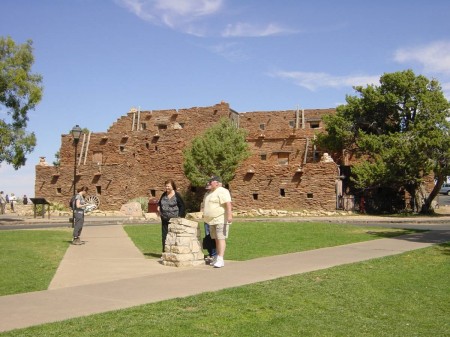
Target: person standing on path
pixel 170 205
pixel 12 200
pixel 218 214
pixel 208 243
pixel 78 207
pixel 2 203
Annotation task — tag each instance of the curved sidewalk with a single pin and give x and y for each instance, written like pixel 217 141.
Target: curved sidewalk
pixel 109 273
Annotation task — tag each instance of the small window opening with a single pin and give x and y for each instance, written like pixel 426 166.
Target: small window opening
pixel 314 125
pixel 58 190
pixel 153 193
pixel 122 148
pixel 264 157
pixel 262 126
pixel 282 192
pixel 292 124
pixel 143 126
pixel 147 145
pixel 98 189
pixel 283 158
pixel 309 195
pixel 156 148
pixel 255 196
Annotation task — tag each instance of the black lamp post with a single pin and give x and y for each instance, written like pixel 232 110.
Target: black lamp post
pixel 76 134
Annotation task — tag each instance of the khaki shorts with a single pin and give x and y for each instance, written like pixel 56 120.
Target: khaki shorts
pixel 219 231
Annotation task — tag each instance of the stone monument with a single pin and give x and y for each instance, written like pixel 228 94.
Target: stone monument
pixel 183 246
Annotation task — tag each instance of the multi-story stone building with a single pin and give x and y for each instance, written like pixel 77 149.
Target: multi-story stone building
pixel 142 149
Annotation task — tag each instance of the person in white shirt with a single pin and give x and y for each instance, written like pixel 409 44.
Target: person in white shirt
pixel 217 213
pixel 12 200
pixel 2 203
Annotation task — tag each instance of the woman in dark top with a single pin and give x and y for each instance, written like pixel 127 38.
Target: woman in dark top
pixel 170 205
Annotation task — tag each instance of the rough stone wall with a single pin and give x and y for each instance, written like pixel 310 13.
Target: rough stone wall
pixel 182 246
pixel 144 148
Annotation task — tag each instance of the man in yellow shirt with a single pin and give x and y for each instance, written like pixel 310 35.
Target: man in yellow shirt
pixel 217 213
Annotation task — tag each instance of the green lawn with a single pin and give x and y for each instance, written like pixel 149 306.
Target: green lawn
pixel 29 258
pixel 249 240
pixel 403 295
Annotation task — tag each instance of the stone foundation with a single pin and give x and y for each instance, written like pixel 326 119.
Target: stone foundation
pixel 183 244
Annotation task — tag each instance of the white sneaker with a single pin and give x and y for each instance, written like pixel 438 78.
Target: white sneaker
pixel 219 263
pixel 213 260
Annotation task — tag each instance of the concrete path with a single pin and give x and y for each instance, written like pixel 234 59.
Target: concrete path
pixel 109 273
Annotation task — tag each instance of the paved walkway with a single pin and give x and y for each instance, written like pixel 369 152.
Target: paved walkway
pixel 109 273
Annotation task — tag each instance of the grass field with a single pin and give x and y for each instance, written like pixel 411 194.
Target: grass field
pixel 249 240
pixel 402 295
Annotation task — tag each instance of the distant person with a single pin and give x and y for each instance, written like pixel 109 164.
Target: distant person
pixel 170 205
pixel 218 214
pixel 78 213
pixel 7 198
pixel 2 203
pixel 12 201
pixel 25 199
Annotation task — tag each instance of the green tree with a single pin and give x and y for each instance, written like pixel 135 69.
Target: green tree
pixel 57 161
pixel 218 151
pixel 399 130
pixel 20 91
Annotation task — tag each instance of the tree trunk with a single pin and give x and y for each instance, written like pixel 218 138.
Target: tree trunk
pixel 427 206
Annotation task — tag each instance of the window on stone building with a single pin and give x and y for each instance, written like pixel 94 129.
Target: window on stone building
pixel 98 189
pixel 309 195
pixel 58 190
pixel 283 158
pixel 162 127
pixel 316 156
pixel 282 192
pixel 255 196
pixel 263 156
pixel 262 126
pixel 314 125
pixel 143 126
pixel 153 193
pixel 292 124
pixel 97 157
pixel 147 145
pixel 122 148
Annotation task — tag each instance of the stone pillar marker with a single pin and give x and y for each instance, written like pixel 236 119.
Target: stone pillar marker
pixel 183 246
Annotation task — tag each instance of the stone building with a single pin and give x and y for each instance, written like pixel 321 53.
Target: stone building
pixel 142 149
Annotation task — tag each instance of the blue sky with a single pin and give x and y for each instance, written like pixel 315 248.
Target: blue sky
pixel 99 58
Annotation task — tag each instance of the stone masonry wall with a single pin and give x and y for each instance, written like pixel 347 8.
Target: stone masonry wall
pixel 144 148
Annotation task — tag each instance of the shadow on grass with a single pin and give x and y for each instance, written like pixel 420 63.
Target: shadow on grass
pixel 391 234
pixel 422 236
pixel 155 255
pixel 446 247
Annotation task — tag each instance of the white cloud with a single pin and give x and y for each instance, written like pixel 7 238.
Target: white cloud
pixel 313 81
pixel 230 50
pixel 176 14
pixel 190 17
pixel 434 57
pixel 250 30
